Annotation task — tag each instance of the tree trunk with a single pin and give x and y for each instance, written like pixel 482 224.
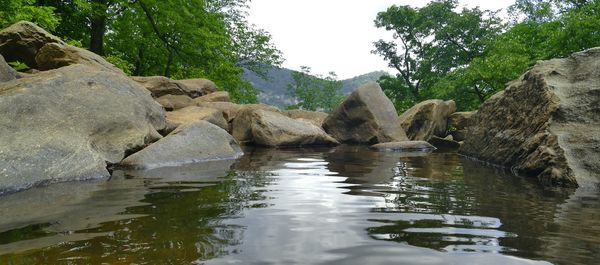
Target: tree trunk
pixel 169 62
pixel 98 26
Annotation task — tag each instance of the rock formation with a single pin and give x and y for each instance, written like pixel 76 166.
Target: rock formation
pixel 195 142
pixel 546 124
pixel 427 119
pixel 68 123
pixel 366 116
pixel 261 127
pixel 6 72
pixel 22 41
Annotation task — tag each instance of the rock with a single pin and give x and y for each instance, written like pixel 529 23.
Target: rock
pixel 230 110
pixel 546 124
pixel 426 119
pixel 192 114
pixel 404 146
pixel 267 128
pixel 7 73
pixel 219 96
pixel 160 86
pixel 175 102
pixel 198 87
pixel 69 123
pixel 460 121
pixel 199 141
pixel 314 117
pixel 366 116
pixel 22 40
pixel 56 55
pixel 444 143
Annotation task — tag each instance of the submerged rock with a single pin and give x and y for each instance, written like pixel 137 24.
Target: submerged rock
pixel 199 141
pixel 22 41
pixel 366 116
pixel 546 124
pixel 404 146
pixel 7 73
pixel 444 143
pixel 69 123
pixel 268 128
pixel 56 55
pixel 426 119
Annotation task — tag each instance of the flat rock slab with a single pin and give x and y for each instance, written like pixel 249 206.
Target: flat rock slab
pixel 192 114
pixel 366 116
pixel 196 142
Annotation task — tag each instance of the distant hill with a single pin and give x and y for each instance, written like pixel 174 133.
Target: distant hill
pixel 274 89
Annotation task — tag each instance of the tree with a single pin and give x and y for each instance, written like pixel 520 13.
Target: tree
pixel 12 11
pixel 315 92
pixel 432 41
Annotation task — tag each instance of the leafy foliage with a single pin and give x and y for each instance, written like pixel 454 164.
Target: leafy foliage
pixel 12 11
pixel 315 92
pixel 470 55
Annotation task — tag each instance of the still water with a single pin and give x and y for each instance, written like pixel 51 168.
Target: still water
pixel 342 205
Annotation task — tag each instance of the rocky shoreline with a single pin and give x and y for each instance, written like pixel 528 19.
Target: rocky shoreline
pixel 77 115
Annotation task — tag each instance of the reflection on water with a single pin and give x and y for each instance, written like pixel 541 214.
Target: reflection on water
pixel 342 205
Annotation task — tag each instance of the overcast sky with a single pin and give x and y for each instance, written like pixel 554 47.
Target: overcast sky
pixel 333 35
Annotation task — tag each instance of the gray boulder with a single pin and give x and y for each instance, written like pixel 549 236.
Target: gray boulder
pixel 426 119
pixel 546 124
pixel 366 116
pixel 261 127
pixel 196 142
pixel 56 55
pixel 7 73
pixel 22 40
pixel 70 123
pixel 160 86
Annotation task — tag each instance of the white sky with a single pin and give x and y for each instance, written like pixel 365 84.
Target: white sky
pixel 333 35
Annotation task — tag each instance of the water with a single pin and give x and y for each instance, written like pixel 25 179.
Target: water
pixel 343 205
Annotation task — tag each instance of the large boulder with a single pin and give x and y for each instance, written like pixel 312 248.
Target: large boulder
pixel 267 128
pixel 198 87
pixel 56 55
pixel 366 116
pixel 459 121
pixel 546 124
pixel 219 96
pixel 426 119
pixel 22 40
pixel 196 142
pixel 160 86
pixel 7 73
pixel 70 123
pixel 192 114
pixel 230 110
pixel 314 117
pixel 175 102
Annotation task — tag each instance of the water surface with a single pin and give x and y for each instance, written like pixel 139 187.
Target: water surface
pixel 342 205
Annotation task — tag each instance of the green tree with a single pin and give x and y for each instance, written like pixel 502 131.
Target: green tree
pixel 315 92
pixel 430 42
pixel 12 11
